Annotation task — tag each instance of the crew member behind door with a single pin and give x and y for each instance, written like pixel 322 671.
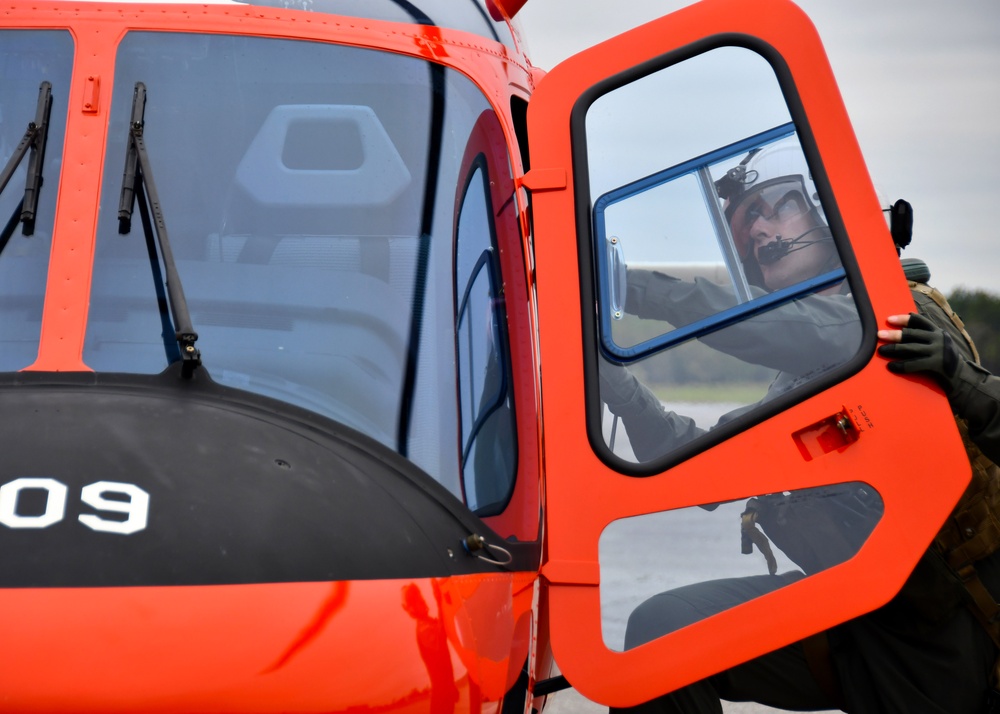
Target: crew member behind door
pixel 930 648
pixel 779 230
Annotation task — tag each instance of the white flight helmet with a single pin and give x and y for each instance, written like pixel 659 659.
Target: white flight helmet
pixel 770 178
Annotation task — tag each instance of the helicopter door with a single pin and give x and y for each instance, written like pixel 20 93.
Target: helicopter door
pixel 728 461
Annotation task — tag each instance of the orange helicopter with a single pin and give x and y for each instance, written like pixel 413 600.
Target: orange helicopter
pixel 324 430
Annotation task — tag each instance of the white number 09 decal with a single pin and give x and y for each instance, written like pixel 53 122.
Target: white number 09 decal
pixel 130 500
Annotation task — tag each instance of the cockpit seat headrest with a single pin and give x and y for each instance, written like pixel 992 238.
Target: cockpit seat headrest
pixel 322 155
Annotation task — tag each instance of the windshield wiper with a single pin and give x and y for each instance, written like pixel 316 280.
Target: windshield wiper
pixel 34 140
pixel 137 183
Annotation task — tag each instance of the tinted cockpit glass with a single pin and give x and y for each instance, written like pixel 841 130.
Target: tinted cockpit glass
pixel 311 223
pixel 27 59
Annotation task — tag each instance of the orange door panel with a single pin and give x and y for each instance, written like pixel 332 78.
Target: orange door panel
pixel 655 97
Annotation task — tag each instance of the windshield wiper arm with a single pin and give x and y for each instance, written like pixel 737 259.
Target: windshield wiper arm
pixel 34 141
pixel 137 183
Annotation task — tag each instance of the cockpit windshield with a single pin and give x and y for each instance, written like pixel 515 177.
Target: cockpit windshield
pixel 32 63
pixel 310 193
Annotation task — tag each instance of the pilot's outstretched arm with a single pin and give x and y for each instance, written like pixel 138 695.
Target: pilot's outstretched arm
pixel 652 430
pixel 796 337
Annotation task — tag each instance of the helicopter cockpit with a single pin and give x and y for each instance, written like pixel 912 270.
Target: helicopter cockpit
pixel 333 216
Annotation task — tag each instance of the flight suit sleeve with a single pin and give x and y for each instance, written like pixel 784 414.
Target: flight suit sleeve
pixel 975 396
pixel 652 429
pixel 797 337
pixel 976 399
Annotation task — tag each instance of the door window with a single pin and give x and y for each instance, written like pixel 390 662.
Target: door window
pixel 663 571
pixel 722 287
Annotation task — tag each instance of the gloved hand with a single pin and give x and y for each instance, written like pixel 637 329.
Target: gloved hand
pixel 924 347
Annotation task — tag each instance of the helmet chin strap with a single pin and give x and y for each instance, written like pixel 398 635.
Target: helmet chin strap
pixel 778 248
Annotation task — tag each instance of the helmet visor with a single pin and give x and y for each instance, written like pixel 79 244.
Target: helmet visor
pixel 781 201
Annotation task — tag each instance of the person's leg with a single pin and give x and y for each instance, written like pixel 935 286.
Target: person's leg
pixel 671 610
pixel 781 678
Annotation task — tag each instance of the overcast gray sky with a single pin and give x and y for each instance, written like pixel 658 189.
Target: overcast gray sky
pixel 921 81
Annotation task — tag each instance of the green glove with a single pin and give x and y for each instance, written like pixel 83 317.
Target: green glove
pixel 925 347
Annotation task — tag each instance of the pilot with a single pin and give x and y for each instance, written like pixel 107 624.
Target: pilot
pixel 783 239
pixel 775 217
pixel 931 648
